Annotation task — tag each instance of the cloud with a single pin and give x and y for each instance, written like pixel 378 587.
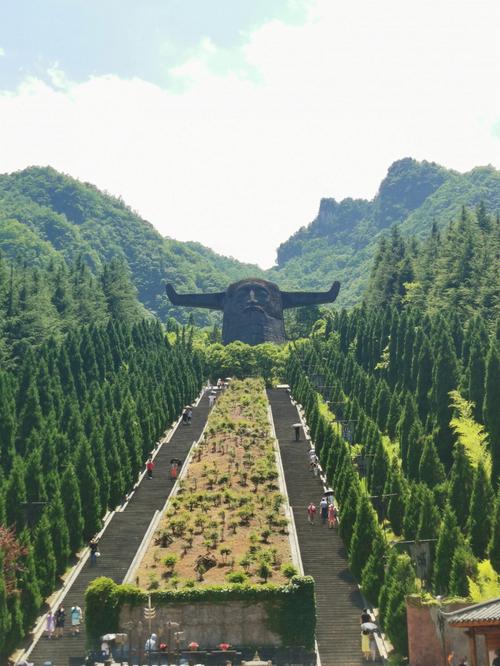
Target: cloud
pixel 2 52
pixel 238 152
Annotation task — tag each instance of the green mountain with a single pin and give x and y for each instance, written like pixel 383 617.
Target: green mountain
pixel 45 214
pixel 342 241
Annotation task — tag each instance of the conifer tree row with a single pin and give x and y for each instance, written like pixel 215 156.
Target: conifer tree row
pixel 77 422
pixel 389 373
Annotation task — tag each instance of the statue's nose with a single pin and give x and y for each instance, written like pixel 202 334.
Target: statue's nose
pixel 251 297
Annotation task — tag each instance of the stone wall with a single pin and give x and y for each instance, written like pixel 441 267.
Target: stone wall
pixel 234 622
pixel 427 646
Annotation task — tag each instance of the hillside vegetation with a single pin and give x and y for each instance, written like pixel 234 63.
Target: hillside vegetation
pixel 342 241
pixel 45 214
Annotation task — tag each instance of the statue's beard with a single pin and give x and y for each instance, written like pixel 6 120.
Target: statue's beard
pixel 253 325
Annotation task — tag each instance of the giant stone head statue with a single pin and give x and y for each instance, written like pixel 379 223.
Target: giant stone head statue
pixel 253 308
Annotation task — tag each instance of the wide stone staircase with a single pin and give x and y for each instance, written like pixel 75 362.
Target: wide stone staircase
pixel 324 557
pixel 121 539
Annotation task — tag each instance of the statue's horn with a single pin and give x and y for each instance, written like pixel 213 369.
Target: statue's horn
pixel 294 299
pixel 212 301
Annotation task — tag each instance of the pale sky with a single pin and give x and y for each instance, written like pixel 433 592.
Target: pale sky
pixel 226 121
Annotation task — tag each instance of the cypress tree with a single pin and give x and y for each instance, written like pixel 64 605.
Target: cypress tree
pixel 428 519
pixel 5 621
pixel 464 565
pixel 348 511
pixel 394 415
pixel 59 532
pixel 476 376
pixel 415 449
pixel 424 378
pixel 363 536
pixel 7 423
pixel 383 400
pixel 30 419
pixel 449 538
pixel 45 560
pixel 431 470
pixel 397 501
pixel 15 496
pixel 481 509
pixel 31 599
pixel 70 494
pixel 399 582
pixel 16 629
pixel 409 418
pixel 461 482
pixel 491 409
pixel 372 577
pixel 89 489
pixel 494 546
pixel 444 380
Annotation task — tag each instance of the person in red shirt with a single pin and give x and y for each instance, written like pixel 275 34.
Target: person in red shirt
pixel 311 512
pixel 150 467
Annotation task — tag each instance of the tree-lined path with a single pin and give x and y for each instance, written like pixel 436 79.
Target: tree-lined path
pixel 122 537
pixel 323 554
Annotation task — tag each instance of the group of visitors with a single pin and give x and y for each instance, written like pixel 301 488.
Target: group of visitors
pixel 327 510
pixel 55 622
pixel 175 465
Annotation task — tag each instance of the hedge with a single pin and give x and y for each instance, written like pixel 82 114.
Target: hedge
pixel 291 608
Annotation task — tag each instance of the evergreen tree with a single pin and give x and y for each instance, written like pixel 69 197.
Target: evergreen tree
pixel 372 577
pixel 445 379
pixel 494 549
pixel 59 532
pixel 31 599
pixel 431 470
pixel 461 481
pixel 89 490
pixel 476 376
pixel 44 557
pixel 409 418
pixel 463 565
pixel 424 378
pixel 480 516
pixel 449 538
pixel 70 494
pixel 399 582
pixel 491 409
pixel 364 533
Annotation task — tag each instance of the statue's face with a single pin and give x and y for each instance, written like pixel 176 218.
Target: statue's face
pixel 253 312
pixel 250 300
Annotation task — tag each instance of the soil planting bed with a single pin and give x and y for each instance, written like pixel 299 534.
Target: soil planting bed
pixel 226 524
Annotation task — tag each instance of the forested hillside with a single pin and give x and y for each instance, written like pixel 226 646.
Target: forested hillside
pixel 410 442
pixel 341 242
pixel 77 421
pixel 456 269
pixel 44 214
pixel 49 300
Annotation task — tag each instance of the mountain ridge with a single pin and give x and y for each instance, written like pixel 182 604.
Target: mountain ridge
pixel 44 213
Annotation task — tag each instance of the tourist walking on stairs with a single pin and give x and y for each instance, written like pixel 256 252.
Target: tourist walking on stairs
pixel 150 467
pixel 365 645
pixel 332 516
pixel 323 505
pixel 49 624
pixel 311 512
pixel 76 617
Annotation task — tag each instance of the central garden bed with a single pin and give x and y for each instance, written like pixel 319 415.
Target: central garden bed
pixel 226 523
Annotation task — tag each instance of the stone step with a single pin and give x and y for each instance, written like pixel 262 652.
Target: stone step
pixel 338 601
